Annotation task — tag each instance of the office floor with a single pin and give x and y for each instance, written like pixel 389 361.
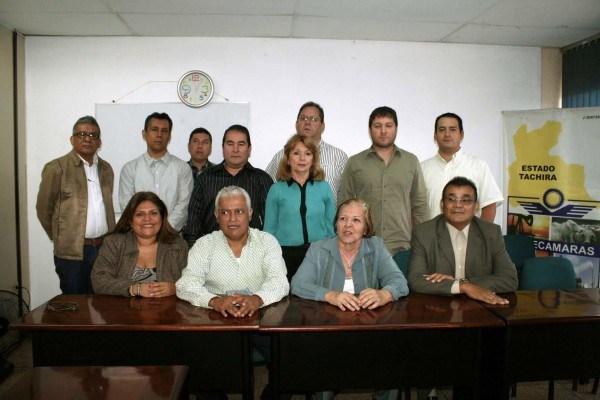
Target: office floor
pixel 22 360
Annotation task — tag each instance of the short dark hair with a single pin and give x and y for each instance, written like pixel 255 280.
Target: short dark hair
pixel 88 119
pixel 200 130
pixel 449 115
pixel 459 181
pixel 158 116
pixel 383 112
pixel 167 233
pixel 239 128
pixel 367 211
pixel 315 105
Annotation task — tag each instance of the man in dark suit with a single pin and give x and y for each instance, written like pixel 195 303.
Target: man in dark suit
pixel 457 252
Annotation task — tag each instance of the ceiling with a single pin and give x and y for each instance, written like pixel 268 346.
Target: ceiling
pixel 540 23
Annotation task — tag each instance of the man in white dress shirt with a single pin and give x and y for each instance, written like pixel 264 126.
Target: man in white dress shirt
pixel 75 207
pixel 158 171
pixel 237 269
pixel 310 122
pixel 452 161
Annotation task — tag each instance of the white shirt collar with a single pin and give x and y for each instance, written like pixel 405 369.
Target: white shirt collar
pixel 453 231
pixel 458 153
pixel 94 160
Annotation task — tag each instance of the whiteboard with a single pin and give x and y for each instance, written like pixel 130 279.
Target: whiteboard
pixel 122 124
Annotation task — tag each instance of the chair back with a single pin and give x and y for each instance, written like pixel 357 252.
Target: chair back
pixel 547 273
pixel 519 248
pixel 401 258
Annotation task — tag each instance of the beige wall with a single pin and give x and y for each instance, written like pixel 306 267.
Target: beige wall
pixel 8 254
pixel 8 222
pixel 551 78
pixel 22 155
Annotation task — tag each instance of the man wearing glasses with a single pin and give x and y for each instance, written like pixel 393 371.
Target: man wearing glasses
pixel 75 207
pixel 457 252
pixel 451 161
pixel 310 122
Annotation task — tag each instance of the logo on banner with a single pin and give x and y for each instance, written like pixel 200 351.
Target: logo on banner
pixel 562 226
pixel 553 201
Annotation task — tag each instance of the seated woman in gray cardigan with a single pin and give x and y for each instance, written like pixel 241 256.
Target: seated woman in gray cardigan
pixel 354 270
pixel 144 256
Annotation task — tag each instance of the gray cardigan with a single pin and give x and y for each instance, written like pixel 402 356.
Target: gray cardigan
pixel 322 270
pixel 117 258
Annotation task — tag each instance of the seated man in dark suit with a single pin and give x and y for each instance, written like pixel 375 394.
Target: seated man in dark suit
pixel 457 252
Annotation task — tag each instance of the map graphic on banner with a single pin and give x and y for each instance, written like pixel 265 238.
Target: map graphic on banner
pixel 553 184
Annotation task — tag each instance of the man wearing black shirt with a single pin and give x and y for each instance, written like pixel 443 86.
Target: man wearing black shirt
pixel 234 170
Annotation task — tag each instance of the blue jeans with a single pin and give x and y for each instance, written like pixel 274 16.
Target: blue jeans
pixel 74 275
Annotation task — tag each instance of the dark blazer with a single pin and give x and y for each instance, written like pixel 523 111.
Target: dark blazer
pixel 487 263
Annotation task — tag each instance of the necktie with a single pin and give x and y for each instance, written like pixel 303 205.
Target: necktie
pixel 461 246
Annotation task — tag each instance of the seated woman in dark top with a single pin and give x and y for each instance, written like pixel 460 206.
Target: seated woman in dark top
pixel 144 256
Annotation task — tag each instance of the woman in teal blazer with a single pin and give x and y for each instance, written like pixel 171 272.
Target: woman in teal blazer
pixel 300 207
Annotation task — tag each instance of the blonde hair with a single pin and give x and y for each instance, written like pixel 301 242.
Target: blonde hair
pixel 284 171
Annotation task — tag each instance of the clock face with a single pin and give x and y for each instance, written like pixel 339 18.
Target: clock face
pixel 195 88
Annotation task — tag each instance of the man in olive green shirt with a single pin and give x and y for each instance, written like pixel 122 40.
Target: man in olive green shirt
pixel 390 180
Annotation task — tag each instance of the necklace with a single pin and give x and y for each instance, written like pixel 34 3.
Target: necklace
pixel 349 260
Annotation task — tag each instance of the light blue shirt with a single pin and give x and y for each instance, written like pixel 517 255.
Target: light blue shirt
pixel 169 177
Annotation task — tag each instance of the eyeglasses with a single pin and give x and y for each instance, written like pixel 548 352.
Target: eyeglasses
pixel 90 135
pixel 304 118
pixel 464 202
pixel 59 306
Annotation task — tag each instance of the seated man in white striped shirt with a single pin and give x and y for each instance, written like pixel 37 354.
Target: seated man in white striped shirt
pixel 310 122
pixel 237 269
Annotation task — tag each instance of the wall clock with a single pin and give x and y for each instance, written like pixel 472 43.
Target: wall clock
pixel 195 88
